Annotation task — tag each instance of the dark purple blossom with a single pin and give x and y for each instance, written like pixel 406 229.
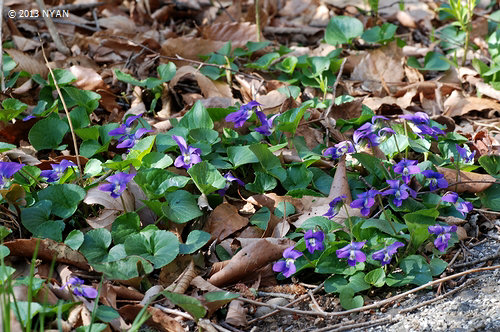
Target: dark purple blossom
pixel 463 207
pixel 314 240
pixel 230 178
pixel 421 128
pixel 243 114
pixel 406 168
pixel 385 255
pixel 335 206
pixel 266 128
pixel 128 138
pixel 450 197
pixel 287 266
pixel 339 149
pixel 57 170
pixel 189 155
pixel 29 117
pixel 466 156
pixel 79 289
pixel 7 170
pixel 436 180
pixel 443 235
pixel 400 191
pixel 372 132
pixel 117 183
pixel 353 253
pixel 365 201
pixel 417 118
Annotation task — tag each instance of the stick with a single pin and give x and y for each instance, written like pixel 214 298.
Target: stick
pixel 334 89
pixel 61 47
pixel 484 259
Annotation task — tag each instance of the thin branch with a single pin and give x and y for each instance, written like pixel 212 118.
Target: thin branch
pixel 61 47
pixel 484 259
pixel 334 89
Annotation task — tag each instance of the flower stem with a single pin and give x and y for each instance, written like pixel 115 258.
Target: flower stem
pixel 123 202
pixel 349 221
pixel 386 215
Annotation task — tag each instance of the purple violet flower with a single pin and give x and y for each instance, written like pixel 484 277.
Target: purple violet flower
pixel 399 191
pixel 57 170
pixel 450 197
pixel 189 155
pixel 230 178
pixel 417 118
pixel 365 201
pixel 7 170
pixel 117 183
pixel 462 207
pixel 436 180
pixel 314 240
pixel 467 157
pixel 287 266
pixel 335 206
pixel 372 132
pixel 406 168
pixel 243 114
pixel 353 253
pixel 80 290
pixel 443 235
pixel 339 149
pixel 385 255
pixel 128 139
pixel 267 124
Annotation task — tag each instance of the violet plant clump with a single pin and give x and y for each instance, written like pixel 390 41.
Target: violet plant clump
pixel 127 138
pixel 57 170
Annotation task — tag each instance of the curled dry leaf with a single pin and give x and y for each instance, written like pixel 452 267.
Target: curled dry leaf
pixel 113 207
pixel 224 221
pixel 207 86
pixel 204 285
pixel 47 250
pixel 181 284
pixel 238 33
pixel 249 259
pixel 236 314
pixel 473 182
pixel 457 104
pixel 28 63
pixel 189 47
pixel 159 319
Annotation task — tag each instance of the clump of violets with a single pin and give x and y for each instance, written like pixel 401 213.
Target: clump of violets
pixel 243 114
pixel 57 171
pixel 436 180
pixel 400 191
pixel 385 255
pixel 335 206
pixel 420 124
pixel 7 170
pixel 365 201
pixel 117 184
pixel 372 132
pixel 339 149
pixel 463 207
pixel 314 241
pixel 128 138
pixel 189 155
pixel 287 266
pixel 464 154
pixel 79 289
pixel 266 128
pixel 443 235
pixel 406 168
pixel 353 253
pixel 229 179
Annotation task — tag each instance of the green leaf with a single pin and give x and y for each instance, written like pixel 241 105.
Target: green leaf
pixel 95 245
pixel 321 180
pixel 437 266
pixel 156 182
pixel 159 247
pixel 6 147
pixel 342 29
pixel 290 91
pixel 74 239
pixel 376 277
pixel 390 146
pixel 298 177
pixel 92 167
pixel 4 231
pixel 22 308
pixel 197 117
pixel 255 46
pixel 47 133
pixel 432 61
pixel 490 198
pixel 181 207
pixel 206 177
pixel 322 222
pixel 379 34
pixel 261 218
pixel 106 314
pixel 289 121
pixel 288 65
pixel 36 219
pixel 5 273
pixel 166 71
pixel 264 61
pixel 418 223
pixel 188 303
pixel 4 252
pixel 262 183
pixel 283 208
pixel 11 109
pixel 124 226
pixel 241 155
pixel 383 226
pixel 491 164
pixel 195 240
pixel 347 299
pixel 141 148
pixel 371 164
pixel 416 267
pixel 65 198
pixel 204 135
pixel 270 163
pixel 124 269
pixel 62 77
pixel 218 299
pixel 156 159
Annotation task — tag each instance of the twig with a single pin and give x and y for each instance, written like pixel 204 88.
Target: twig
pixel 480 260
pixel 174 312
pixel 454 257
pixel 374 305
pixel 487 211
pixel 73 136
pixel 286 296
pixel 61 47
pixel 334 89
pixel 221 6
pixel 329 328
pixel 384 320
pixel 315 302
pixel 292 30
pixel 302 297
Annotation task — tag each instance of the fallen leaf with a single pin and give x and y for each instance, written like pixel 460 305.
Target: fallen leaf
pixel 28 63
pixel 236 314
pixel 238 33
pixel 224 221
pixel 483 181
pixel 113 207
pixel 159 319
pixel 457 104
pixel 207 86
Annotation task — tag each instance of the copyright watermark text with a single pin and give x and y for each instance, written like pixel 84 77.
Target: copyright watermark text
pixel 34 13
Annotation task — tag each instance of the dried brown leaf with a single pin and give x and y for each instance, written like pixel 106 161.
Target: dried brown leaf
pixel 236 314
pixel 457 104
pixel 475 182
pixel 207 86
pixel 224 221
pixel 190 47
pixel 113 207
pixel 28 63
pixel 159 319
pixel 238 33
